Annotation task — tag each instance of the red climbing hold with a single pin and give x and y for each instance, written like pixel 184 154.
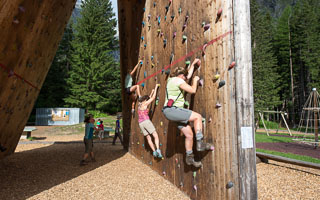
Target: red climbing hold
pixel 219 14
pixel 232 64
pixel 206 27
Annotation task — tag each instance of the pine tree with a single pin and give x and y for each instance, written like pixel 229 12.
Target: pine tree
pixel 94 81
pixel 265 78
pixel 54 88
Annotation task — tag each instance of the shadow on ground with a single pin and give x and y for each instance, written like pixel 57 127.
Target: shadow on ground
pixel 27 173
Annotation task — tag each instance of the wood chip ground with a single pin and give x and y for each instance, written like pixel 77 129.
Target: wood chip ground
pixel 52 171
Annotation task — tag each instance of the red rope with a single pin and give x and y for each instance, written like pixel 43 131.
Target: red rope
pixel 12 73
pixel 185 56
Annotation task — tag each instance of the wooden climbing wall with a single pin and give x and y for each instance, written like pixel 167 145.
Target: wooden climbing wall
pixel 29 37
pixel 161 32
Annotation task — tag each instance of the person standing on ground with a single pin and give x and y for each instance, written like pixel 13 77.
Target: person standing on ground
pixel 117 132
pixel 132 91
pixel 88 139
pixel 174 110
pixel 145 123
pixel 101 130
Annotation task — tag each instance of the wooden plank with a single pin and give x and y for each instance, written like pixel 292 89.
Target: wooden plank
pixel 288 160
pixel 27 49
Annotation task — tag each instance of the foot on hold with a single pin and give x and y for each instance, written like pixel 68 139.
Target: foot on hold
pixel 190 161
pixel 159 154
pixel 202 146
pixel 155 154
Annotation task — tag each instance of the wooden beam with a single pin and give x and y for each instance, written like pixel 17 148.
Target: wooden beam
pixel 288 160
pixel 244 100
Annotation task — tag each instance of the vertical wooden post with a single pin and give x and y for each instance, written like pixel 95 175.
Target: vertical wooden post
pixel 244 100
pixel 316 130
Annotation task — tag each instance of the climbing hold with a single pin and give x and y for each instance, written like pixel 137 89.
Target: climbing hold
pixel 177 160
pixel 152 65
pixel 138 143
pixel 216 77
pixel 160 144
pixel 145 74
pixel 229 185
pixel 163 173
pixel 159 20
pixel 195 188
pixel 172 17
pixel 219 14
pixel 181 184
pixel 218 105
pixel 188 62
pixel 151 57
pixel 164 132
pixel 10 73
pixel 149 17
pixel 174 34
pixel 184 26
pixel 167 9
pixel 161 34
pixel 194 174
pixel 221 84
pixel 158 85
pixel 184 38
pixel 22 9
pixel 206 27
pixel 186 103
pixel 164 42
pixel 143 23
pixel 15 21
pixel 141 62
pixel 150 163
pixel 170 1
pixel 142 145
pixel 142 38
pixel 201 82
pixel 204 48
pixel 161 123
pixel 180 10
pixel 203 120
pixel 171 57
pixel 187 17
pixel 159 31
pixel 142 84
pixel 232 64
pixel 210 119
pixel 154 4
pixel 203 24
pixel 149 26
pixel 162 71
pixel 167 71
pixel 178 165
pixel 144 9
pixel 165 18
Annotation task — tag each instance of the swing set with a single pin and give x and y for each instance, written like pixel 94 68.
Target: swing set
pixel 261 113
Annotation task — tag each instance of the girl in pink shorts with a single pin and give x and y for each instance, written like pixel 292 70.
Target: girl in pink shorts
pixel 145 123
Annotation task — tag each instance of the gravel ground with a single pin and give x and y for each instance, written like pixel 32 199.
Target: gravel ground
pixel 52 171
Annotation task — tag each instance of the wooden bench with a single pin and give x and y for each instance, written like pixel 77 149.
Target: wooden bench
pixel 27 132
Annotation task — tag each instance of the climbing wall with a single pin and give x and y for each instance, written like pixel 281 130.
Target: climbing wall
pixel 29 37
pixel 170 33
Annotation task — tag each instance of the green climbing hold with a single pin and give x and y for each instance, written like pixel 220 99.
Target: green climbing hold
pixel 188 62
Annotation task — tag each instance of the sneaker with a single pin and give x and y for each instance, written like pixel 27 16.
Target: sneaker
pixel 155 154
pixel 159 153
pixel 202 146
pixel 190 161
pixel 83 162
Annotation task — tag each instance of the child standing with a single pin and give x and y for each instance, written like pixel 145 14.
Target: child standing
pixel 101 130
pixel 145 124
pixel 117 132
pixel 88 139
pixel 131 89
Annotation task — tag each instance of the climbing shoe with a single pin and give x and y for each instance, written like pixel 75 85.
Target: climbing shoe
pixel 190 161
pixel 159 154
pixel 155 154
pixel 202 146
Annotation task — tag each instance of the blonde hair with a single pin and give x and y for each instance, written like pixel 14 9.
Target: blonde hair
pixel 179 70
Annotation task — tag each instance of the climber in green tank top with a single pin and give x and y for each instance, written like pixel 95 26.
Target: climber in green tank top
pixel 129 89
pixel 173 110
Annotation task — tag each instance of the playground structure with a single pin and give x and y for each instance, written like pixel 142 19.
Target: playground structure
pixel 310 119
pixel 164 34
pixel 282 114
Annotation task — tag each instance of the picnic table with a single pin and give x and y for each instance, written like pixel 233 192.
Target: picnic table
pixel 27 132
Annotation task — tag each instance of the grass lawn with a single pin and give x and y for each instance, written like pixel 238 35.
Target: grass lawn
pixel 290 155
pixel 266 138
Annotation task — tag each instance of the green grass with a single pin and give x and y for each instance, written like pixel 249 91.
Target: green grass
pixel 290 155
pixel 271 139
pixel 270 125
